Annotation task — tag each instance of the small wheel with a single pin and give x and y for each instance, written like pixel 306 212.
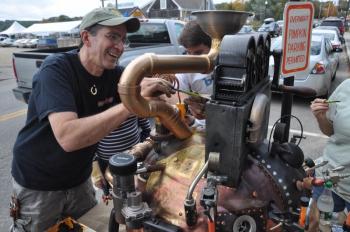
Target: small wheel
pixel 244 223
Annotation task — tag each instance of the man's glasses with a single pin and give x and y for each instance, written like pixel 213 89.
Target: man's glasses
pixel 117 39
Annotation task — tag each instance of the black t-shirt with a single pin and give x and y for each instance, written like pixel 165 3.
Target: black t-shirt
pixel 61 85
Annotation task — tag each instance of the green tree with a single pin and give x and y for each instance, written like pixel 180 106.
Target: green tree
pixel 273 8
pixel 233 5
pixel 238 5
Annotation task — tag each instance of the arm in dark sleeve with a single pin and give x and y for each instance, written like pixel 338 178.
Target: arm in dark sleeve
pixel 52 91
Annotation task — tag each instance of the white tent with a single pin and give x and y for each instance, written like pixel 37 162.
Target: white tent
pixel 15 28
pixel 44 29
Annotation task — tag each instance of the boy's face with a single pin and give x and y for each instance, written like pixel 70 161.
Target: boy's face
pixel 198 50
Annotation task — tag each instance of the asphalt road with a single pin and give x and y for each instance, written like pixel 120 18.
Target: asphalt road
pixel 12 117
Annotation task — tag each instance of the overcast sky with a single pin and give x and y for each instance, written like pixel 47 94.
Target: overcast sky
pixel 39 9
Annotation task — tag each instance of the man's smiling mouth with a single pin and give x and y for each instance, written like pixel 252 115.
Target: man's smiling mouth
pixel 113 54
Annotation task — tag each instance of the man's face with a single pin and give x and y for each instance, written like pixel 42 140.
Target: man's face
pixel 108 45
pixel 197 50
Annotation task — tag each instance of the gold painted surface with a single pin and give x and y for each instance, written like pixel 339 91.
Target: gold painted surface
pixel 169 188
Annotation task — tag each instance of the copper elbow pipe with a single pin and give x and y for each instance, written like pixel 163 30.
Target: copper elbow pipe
pixel 141 150
pixel 149 64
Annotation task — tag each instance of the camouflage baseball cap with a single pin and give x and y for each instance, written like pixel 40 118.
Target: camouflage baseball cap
pixel 109 16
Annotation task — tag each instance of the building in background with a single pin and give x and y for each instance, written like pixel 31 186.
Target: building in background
pixel 132 12
pixel 179 9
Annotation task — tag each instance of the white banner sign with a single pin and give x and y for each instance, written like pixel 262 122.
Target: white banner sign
pixel 298 18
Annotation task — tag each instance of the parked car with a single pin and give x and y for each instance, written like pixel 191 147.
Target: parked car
pixel 322 68
pixel 23 43
pixel 32 43
pixel 332 36
pixel 17 42
pixel 334 28
pixel 316 23
pixel 2 38
pixel 47 43
pixel 332 21
pixel 270 26
pixel 7 42
pixel 280 24
pixel 246 29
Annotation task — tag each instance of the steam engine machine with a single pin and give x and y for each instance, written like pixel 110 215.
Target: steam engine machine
pixel 228 178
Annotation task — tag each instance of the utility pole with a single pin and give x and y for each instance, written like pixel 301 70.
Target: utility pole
pixel 320 10
pixel 103 3
pixel 116 4
pixel 346 16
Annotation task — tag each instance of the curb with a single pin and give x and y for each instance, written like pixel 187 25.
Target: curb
pixel 347 44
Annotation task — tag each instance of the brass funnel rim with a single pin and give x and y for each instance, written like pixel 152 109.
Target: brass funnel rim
pixel 217 23
pixel 221 11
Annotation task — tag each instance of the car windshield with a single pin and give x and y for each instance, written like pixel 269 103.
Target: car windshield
pixel 329 36
pixel 331 23
pixel 315 48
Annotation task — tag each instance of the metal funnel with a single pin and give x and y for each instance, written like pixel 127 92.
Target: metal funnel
pixel 217 23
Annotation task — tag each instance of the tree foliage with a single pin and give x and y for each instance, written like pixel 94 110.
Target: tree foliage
pixel 234 5
pixel 274 8
pixel 61 18
pixel 266 8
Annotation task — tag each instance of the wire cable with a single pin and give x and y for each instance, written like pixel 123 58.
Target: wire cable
pixel 278 120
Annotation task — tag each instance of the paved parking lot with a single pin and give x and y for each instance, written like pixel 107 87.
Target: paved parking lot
pixel 6 71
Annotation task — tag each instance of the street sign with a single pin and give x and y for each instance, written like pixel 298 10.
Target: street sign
pixel 298 17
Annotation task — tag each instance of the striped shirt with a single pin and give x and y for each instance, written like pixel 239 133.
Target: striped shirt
pixel 128 134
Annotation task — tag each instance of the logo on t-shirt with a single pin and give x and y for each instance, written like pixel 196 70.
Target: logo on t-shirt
pixel 104 102
pixel 208 81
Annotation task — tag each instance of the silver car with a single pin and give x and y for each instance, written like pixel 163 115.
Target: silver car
pixel 322 69
pixel 331 35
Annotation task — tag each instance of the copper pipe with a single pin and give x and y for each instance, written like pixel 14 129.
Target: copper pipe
pixel 141 150
pixel 150 64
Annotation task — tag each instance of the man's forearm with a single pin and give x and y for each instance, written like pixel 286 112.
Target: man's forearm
pixel 82 132
pixel 325 126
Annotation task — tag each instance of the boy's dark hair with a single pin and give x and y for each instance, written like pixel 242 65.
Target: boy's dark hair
pixel 192 35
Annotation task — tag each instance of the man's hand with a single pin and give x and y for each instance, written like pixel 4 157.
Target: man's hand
pixel 305 184
pixel 196 105
pixel 154 87
pixel 319 107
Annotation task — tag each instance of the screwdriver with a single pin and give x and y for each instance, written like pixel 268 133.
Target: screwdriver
pixel 190 93
pixel 331 101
